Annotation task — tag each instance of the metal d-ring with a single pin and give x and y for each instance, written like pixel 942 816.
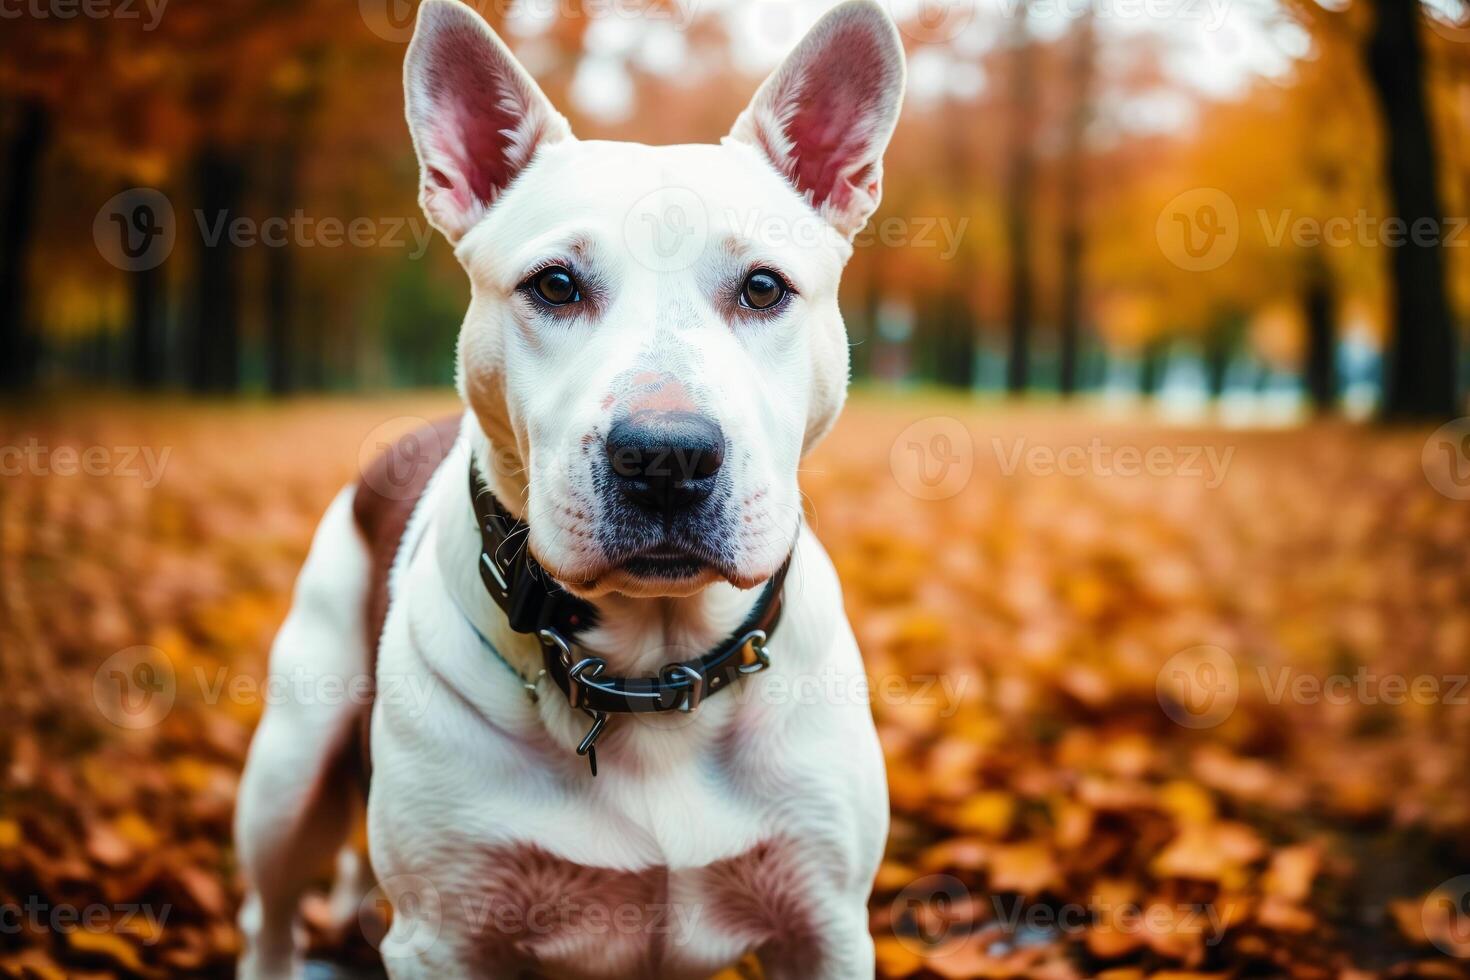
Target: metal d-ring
pixel 757 641
pixel 552 639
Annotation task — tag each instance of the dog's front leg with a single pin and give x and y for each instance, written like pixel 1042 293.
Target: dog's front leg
pixel 843 950
pixel 431 937
pixel 418 946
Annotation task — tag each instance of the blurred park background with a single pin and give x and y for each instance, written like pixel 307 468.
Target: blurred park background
pixel 1252 200
pixel 1151 505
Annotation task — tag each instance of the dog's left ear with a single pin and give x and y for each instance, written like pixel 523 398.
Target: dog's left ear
pixel 476 117
pixel 825 116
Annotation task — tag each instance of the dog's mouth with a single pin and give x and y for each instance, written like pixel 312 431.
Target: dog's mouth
pixel 665 568
pixel 666 562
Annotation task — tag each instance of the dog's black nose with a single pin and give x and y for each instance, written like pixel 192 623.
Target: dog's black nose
pixel 666 461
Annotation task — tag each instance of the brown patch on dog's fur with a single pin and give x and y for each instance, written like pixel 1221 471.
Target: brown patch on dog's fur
pixel 534 910
pixel 382 519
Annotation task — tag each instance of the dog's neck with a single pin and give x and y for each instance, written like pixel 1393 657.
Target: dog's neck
pixel 636 636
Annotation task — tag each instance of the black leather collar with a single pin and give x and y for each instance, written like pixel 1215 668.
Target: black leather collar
pixel 534 603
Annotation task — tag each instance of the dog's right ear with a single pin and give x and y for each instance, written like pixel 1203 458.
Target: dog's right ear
pixel 825 116
pixel 477 118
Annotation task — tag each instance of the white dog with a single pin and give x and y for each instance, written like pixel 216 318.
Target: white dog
pixel 652 344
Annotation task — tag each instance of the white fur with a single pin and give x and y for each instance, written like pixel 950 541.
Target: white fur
pixel 757 823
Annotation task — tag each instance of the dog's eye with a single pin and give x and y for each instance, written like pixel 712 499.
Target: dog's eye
pixel 763 289
pixel 556 286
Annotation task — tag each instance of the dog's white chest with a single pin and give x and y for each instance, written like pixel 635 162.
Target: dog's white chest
pixel 689 850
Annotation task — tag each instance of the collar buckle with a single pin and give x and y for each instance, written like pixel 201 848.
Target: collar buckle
pixel 694 693
pixel 591 667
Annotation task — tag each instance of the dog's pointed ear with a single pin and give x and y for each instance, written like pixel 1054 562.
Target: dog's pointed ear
pixel 477 118
pixel 825 116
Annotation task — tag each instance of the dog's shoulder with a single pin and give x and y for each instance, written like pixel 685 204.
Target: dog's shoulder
pixel 389 490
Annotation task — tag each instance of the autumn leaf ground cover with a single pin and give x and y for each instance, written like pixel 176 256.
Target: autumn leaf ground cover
pixel 1157 701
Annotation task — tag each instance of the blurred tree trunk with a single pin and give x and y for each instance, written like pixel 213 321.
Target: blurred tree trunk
pixel 280 262
pixel 1020 176
pixel 216 334
pixel 1222 341
pixel 146 288
pixel 1073 243
pixel 1217 362
pixel 282 326
pixel 314 373
pixel 19 347
pixel 1151 372
pixel 957 335
pixel 1420 366
pixel 1320 307
pixel 954 348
